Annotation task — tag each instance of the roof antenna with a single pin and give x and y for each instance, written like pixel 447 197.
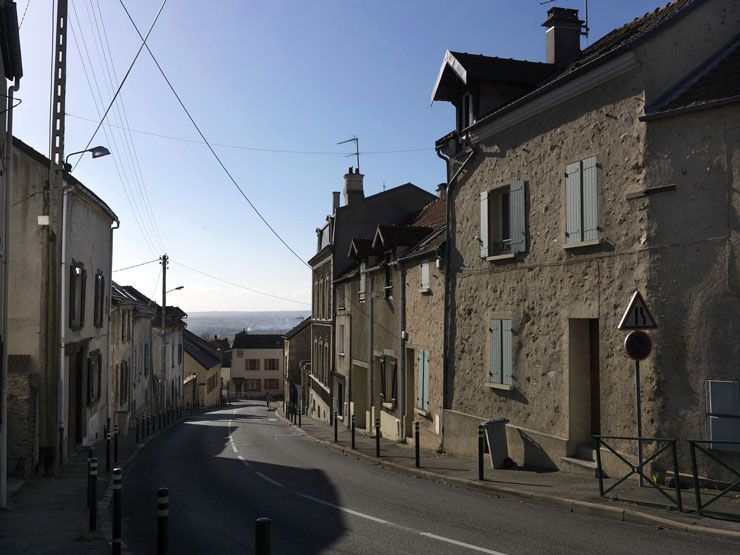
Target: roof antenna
pixel 357 149
pixel 584 27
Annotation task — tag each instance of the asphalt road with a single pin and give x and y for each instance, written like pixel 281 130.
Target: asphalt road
pixel 226 468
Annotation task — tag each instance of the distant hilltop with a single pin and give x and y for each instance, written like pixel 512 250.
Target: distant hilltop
pixel 227 324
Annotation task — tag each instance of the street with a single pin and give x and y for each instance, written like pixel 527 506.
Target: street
pixel 228 467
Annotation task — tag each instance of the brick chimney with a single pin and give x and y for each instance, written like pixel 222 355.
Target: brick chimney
pixel 334 201
pixel 353 190
pixel 563 36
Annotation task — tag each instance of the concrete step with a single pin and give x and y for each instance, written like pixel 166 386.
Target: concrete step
pixel 578 466
pixel 586 453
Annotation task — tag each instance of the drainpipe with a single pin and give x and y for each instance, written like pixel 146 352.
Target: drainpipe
pixel 403 337
pixel 6 276
pixel 370 355
pixel 62 323
pixel 110 333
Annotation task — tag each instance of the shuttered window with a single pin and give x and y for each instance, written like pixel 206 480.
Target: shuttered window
pixel 422 380
pixel 340 339
pixel 581 202
pixel 425 275
pixel 500 363
pixel 503 220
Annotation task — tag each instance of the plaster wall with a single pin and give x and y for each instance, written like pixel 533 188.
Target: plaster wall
pixel 141 367
pixel 238 369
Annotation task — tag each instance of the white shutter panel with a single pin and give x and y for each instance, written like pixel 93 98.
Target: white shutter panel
pixel 573 203
pixel 484 224
pixel 494 370
pixel 425 275
pixel 506 352
pixel 425 396
pixel 419 378
pixel 518 217
pixel 590 200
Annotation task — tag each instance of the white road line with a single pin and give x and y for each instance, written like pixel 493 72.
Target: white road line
pixel 273 482
pixel 240 457
pixel 461 544
pixel 344 509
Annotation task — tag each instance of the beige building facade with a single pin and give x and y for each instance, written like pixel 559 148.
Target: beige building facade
pixel 257 365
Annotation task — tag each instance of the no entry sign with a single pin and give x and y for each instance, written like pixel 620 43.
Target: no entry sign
pixel 638 345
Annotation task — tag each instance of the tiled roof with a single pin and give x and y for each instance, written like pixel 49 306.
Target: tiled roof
pixel 432 215
pixel 430 245
pixel 716 82
pixel 300 327
pixel 399 235
pixel 200 350
pixel 245 340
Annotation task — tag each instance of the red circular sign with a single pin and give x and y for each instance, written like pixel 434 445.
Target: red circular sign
pixel 638 345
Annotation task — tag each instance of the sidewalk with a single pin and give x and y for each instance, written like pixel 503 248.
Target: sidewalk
pixel 49 514
pixel 569 491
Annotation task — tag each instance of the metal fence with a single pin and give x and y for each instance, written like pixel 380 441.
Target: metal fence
pixel 701 507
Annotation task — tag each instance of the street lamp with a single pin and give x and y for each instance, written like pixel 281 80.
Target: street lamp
pixel 96 151
pixel 175 289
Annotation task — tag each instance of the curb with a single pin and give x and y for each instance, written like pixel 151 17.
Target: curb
pixel 571 505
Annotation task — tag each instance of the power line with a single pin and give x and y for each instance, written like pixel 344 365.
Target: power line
pixel 240 286
pixel 137 265
pixel 254 148
pixel 128 72
pixel 24 15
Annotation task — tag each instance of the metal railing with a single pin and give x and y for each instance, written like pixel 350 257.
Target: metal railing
pixel 696 444
pixel 638 469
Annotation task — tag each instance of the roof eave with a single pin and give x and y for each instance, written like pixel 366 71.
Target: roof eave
pixel 448 61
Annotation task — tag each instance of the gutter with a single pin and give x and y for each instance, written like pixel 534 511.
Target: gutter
pixel 110 332
pixel 62 324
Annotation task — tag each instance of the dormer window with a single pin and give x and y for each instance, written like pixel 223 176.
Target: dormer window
pixel 467 117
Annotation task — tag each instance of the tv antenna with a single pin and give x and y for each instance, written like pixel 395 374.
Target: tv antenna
pixel 356 154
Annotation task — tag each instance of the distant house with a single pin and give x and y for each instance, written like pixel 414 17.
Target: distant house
pixel 202 364
pixel 257 365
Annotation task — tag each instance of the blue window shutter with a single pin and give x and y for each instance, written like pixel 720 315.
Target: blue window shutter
pixel 419 378
pixel 506 361
pixel 484 224
pixel 518 216
pixel 425 396
pixel 494 370
pixel 573 203
pixel 590 200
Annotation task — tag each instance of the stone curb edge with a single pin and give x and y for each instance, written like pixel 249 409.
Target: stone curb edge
pixel 572 505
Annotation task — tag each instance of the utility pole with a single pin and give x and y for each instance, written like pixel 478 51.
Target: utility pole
pixel 165 258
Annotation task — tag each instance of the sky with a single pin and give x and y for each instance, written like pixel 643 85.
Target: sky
pixel 259 78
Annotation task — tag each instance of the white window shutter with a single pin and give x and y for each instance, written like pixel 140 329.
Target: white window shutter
pixel 483 224
pixel 494 370
pixel 590 200
pixel 573 203
pixel 506 362
pixel 518 216
pixel 425 275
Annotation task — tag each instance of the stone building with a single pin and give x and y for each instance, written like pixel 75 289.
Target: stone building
pixel 297 356
pixel 357 217
pixel 572 184
pixel 257 365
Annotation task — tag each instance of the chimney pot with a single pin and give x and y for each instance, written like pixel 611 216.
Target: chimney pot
pixel 563 36
pixel 353 186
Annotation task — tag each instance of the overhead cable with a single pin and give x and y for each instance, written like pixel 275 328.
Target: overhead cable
pixel 137 265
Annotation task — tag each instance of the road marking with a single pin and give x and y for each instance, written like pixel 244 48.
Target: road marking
pixel 461 544
pixel 344 509
pixel 273 482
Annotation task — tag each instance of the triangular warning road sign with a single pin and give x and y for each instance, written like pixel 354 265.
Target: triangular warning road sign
pixel 637 316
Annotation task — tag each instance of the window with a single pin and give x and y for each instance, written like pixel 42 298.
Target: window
pixel 99 299
pixel 134 361
pixel 146 358
pixel 253 364
pixel 723 414
pixel 123 379
pixel 272 384
pixel 340 296
pixel 499 367
pixel 94 360
pixel 179 353
pixel 581 202
pixel 467 113
pixel 340 340
pixel 388 277
pixel 422 380
pixel 503 220
pixel 362 281
pixel 77 279
pixel 124 316
pixel 253 385
pixel 272 363
pixel 239 353
pixel 388 380
pixel 172 359
pixel 425 276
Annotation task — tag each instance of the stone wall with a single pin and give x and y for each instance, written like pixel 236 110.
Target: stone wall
pixel 23 423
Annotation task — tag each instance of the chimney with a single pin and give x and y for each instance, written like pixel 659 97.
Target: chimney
pixel 353 191
pixel 442 190
pixel 563 36
pixel 334 201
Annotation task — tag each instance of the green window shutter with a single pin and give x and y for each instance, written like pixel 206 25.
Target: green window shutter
pixel 573 230
pixel 494 370
pixel 518 216
pixel 483 237
pixel 590 200
pixel 506 362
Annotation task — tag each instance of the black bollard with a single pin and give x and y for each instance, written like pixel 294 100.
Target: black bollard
pixel 90 456
pixel 263 536
pixel 163 513
pixel 377 437
pixel 115 445
pixel 335 426
pixel 481 450
pixel 107 451
pixel 160 419
pixel 300 411
pixel 93 473
pixel 353 431
pixel 416 442
pixel 117 483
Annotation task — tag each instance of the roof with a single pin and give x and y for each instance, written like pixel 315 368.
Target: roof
pixel 399 235
pixel 221 343
pixel 715 83
pixel 360 247
pixel 430 245
pixel 432 215
pixel 299 328
pixel 174 314
pixel 349 274
pixel 200 350
pixel 245 340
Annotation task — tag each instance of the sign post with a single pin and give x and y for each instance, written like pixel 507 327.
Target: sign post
pixel 638 346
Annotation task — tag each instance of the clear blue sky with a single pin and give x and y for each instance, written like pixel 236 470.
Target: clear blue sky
pixel 290 75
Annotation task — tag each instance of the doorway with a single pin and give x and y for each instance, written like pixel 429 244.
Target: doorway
pixel 584 399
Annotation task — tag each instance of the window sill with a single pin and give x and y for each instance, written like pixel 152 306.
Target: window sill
pixel 423 413
pixel 389 406
pixel 591 243
pixel 341 354
pixel 425 290
pixel 507 256
pixel 500 386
